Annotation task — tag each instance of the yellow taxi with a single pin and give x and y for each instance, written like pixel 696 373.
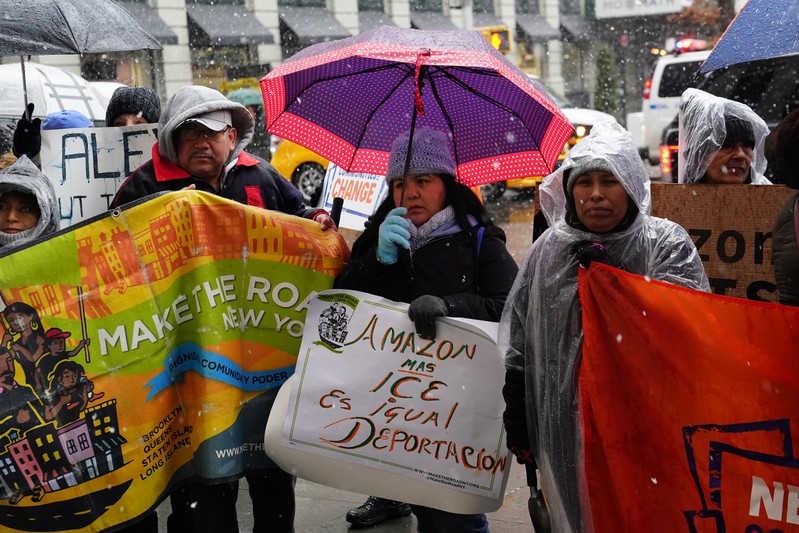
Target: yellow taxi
pixel 302 167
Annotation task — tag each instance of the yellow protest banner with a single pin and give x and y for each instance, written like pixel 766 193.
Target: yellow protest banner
pixel 145 348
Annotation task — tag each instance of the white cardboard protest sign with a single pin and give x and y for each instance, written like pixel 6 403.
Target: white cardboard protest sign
pixel 376 409
pixel 362 193
pixel 88 165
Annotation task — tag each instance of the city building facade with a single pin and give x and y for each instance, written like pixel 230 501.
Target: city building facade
pixel 226 44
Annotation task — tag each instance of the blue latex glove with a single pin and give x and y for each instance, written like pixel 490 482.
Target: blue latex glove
pixel 423 311
pixel 392 235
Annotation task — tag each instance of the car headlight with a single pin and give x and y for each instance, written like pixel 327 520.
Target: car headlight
pixel 581 131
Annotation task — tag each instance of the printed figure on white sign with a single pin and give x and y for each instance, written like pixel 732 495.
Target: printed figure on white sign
pixel 597 205
pixel 333 324
pixel 439 251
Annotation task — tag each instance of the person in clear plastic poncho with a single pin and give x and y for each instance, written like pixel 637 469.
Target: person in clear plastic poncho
pixel 601 214
pixel 721 141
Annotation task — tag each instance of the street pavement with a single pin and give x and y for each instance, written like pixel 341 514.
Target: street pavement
pixel 322 509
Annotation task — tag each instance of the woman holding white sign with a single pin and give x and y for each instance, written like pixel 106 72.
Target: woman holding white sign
pixel 597 205
pixel 440 252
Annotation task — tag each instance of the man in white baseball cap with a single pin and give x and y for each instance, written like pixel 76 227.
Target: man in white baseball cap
pixel 201 141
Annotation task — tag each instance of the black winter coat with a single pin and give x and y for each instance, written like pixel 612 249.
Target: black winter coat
pixel 447 267
pixel 785 254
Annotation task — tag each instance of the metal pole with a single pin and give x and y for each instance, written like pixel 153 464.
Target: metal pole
pixel 24 86
pixel 468 14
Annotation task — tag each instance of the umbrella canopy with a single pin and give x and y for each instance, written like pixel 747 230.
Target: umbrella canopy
pixel 34 27
pixel 246 97
pixel 50 89
pixel 348 100
pixel 763 29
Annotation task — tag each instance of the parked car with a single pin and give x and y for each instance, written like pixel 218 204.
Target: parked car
pixel 770 87
pixel 671 75
pixel 581 118
pixel 302 167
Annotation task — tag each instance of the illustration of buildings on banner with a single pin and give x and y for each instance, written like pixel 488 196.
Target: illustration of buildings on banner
pixel 48 458
pixel 185 233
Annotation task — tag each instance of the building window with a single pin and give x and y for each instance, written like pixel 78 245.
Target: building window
pixel 576 88
pixel 426 5
pixel 212 2
pixel 370 5
pixel 210 66
pixel 130 68
pixel 302 3
pixel 483 6
pixel 527 7
pixel 71 447
pixel 570 7
pixel 83 441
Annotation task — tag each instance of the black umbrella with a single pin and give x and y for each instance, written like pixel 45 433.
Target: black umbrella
pixel 44 27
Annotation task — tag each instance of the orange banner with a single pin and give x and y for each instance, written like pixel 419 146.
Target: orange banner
pixel 690 406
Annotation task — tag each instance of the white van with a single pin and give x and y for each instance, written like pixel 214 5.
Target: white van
pixel 670 77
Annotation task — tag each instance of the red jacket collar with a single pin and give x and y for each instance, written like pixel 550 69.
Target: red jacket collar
pixel 166 170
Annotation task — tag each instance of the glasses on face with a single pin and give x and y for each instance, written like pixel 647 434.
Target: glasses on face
pixel 192 134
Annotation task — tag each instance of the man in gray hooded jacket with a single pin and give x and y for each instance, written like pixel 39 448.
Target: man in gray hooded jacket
pixel 201 141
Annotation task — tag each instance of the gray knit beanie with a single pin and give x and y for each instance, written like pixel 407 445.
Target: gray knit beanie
pixel 133 100
pixel 430 154
pixel 586 166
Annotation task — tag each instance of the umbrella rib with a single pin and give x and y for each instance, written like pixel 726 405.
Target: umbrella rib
pixel 374 110
pixel 445 71
pixel 446 118
pixel 358 73
pixel 69 26
pixel 336 77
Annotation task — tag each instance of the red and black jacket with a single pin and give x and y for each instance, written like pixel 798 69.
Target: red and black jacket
pixel 251 181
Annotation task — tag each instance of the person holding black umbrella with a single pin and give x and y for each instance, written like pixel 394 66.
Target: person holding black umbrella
pixel 432 244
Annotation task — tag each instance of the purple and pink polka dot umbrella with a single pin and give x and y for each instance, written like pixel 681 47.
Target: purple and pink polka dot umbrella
pixel 348 100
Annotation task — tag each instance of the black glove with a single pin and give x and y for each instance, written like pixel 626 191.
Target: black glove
pixel 423 311
pixel 588 251
pixel 28 135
